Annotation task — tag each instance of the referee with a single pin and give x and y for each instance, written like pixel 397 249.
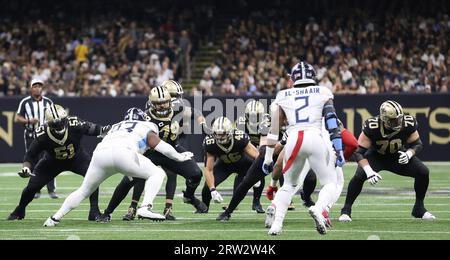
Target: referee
pixel 31 114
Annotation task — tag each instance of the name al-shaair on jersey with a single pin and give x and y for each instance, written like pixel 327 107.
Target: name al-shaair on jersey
pixel 304 106
pixel 130 134
pixel 387 142
pixel 63 147
pixel 231 153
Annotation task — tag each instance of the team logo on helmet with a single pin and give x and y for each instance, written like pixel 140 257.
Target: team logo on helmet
pixel 303 73
pixel 391 114
pixel 135 113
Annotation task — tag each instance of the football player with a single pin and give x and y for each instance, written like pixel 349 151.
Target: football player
pixel 304 107
pixel 227 151
pixel 350 144
pixel 60 138
pixel 391 142
pixel 160 112
pixel 121 151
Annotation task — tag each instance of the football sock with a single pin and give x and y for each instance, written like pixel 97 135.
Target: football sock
pixel 354 189
pixel 152 186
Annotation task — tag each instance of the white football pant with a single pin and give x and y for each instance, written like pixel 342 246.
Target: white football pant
pixel 107 161
pixel 302 147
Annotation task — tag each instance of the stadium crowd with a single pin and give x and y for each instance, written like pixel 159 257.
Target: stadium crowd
pixel 354 51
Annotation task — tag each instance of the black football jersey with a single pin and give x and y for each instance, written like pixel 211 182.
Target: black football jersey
pixel 169 127
pixel 387 142
pixel 232 153
pixel 65 147
pixel 254 133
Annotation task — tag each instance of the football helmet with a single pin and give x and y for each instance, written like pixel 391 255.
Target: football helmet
pixel 391 114
pixel 254 113
pixel 222 130
pixel 159 102
pixel 135 113
pixel 303 73
pixel 56 118
pixel 175 89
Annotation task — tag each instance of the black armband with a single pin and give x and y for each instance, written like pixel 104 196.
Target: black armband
pixel 359 153
pixel 417 146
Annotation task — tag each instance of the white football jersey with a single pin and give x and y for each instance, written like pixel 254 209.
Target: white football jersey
pixel 131 134
pixel 304 106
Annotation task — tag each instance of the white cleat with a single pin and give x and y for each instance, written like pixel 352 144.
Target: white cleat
pixel 319 220
pixel 428 216
pixel 51 222
pixel 270 216
pixel 276 229
pixel 147 213
pixel 345 218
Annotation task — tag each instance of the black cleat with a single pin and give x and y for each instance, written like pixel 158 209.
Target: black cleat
pixel 131 214
pixel 104 218
pixel 198 204
pixel 53 195
pixel 258 208
pixel 223 217
pixel 94 215
pixel 307 201
pixel 291 206
pixel 14 216
pixel 168 214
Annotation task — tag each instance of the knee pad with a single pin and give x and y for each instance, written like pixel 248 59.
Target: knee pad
pixel 194 181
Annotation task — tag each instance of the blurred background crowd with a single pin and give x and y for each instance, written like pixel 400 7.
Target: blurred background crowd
pixel 117 48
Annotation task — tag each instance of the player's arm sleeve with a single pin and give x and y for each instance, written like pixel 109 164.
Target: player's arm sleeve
pixel 350 143
pixel 92 129
pixel 332 125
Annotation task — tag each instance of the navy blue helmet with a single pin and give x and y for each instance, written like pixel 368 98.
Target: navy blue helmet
pixel 135 113
pixel 303 73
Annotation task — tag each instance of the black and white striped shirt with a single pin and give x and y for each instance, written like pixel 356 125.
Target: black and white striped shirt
pixel 30 108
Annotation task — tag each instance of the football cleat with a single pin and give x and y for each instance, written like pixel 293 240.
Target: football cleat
pixel 104 218
pixel 37 195
pixel 276 229
pixel 53 195
pixel 270 216
pixel 51 222
pixel 223 217
pixel 146 212
pixel 345 218
pixel 131 214
pixel 319 220
pixel 168 214
pixel 94 215
pixel 14 216
pixel 258 208
pixel 327 219
pixel 291 206
pixel 198 204
pixel 428 216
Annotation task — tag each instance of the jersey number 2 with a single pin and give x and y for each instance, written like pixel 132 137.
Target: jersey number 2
pixel 304 100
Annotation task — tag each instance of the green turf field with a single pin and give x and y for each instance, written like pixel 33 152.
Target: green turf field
pixel 379 213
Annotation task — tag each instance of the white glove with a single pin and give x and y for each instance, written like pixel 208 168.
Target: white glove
pixel 216 196
pixel 404 157
pixel 372 176
pixel 25 173
pixel 186 156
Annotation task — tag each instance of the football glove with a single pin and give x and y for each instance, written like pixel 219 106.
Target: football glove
pixel 404 157
pixel 216 196
pixel 340 159
pixel 25 173
pixel 373 177
pixel 186 156
pixel 270 192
